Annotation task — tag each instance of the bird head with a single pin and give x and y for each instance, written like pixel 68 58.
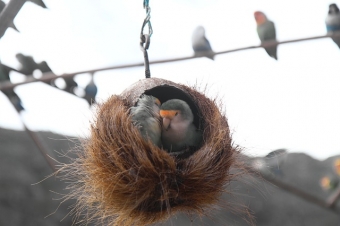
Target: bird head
pixel 175 111
pixel 260 17
pixel 147 101
pixel 333 9
pixel 198 33
pixel 20 57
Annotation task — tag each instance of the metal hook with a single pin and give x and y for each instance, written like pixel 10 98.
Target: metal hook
pixel 145 39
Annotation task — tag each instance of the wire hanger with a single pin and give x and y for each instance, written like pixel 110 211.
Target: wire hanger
pixel 145 38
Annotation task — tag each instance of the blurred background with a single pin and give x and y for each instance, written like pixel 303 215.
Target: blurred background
pixel 290 105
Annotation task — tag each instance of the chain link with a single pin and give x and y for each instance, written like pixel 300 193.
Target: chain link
pixel 145 38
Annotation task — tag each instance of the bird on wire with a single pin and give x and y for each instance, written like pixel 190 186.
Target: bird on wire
pixel 200 43
pixel 178 130
pixel 333 22
pixel 43 67
pixel 266 32
pixel 145 115
pixel 11 25
pixel 70 85
pixel 91 92
pixel 28 65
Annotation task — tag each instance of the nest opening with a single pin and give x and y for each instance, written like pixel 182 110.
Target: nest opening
pixel 168 92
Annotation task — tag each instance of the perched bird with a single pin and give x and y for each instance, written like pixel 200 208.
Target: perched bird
pixel 178 130
pixel 266 32
pixel 39 3
pixel 200 43
pixel 146 117
pixel 333 22
pixel 28 65
pixel 43 67
pixel 70 85
pixel 91 92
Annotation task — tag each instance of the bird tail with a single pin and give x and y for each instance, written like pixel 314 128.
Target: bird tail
pixel 211 57
pixel 272 52
pixel 337 41
pixel 207 54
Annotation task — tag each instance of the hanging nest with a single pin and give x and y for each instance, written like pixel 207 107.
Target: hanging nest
pixel 121 179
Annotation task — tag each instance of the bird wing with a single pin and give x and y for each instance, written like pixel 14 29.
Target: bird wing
pixel 207 44
pixel 201 45
pixel 267 31
pixel 43 67
pixel 91 90
pixel 333 23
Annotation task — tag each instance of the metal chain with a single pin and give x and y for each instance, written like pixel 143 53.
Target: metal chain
pixel 145 38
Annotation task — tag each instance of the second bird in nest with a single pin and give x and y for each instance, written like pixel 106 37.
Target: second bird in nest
pixel 146 117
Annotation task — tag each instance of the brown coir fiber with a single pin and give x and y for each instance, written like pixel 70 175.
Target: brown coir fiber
pixel 121 179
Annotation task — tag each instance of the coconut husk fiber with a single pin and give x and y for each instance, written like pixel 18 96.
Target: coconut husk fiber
pixel 121 179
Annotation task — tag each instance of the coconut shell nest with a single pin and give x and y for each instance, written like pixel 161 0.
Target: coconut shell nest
pixel 121 179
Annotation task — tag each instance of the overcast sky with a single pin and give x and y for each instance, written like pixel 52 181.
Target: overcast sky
pixel 292 103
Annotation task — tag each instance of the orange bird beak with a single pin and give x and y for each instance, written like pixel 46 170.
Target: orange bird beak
pixel 167 116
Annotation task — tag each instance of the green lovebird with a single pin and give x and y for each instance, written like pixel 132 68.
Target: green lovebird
pixel 178 130
pixel 266 31
pixel 147 119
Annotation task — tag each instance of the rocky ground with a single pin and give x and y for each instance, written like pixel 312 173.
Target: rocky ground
pixel 23 201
